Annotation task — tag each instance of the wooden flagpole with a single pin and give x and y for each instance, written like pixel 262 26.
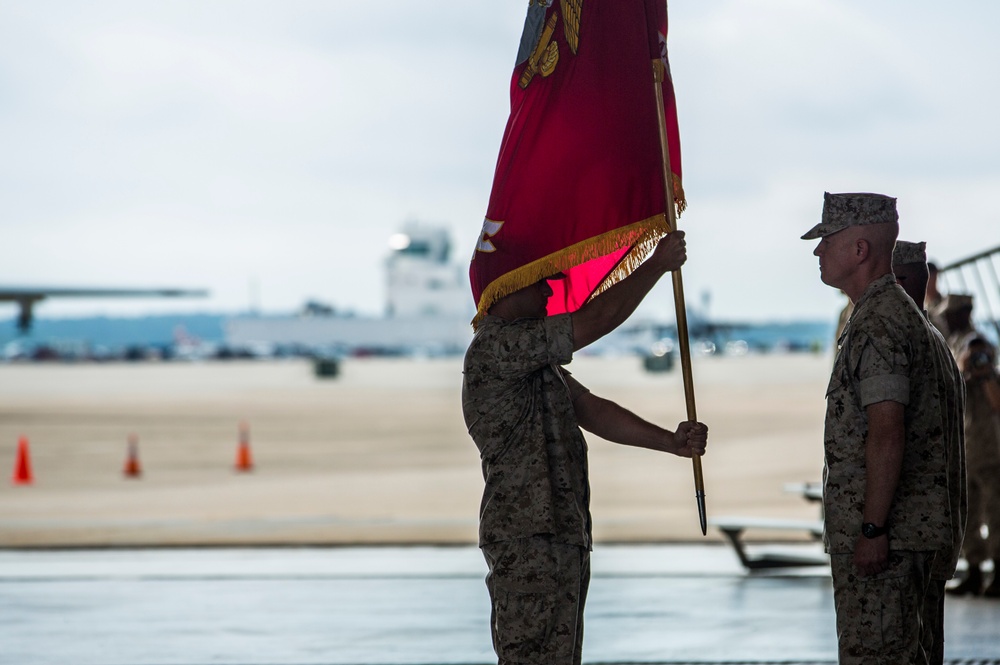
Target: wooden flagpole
pixel 679 307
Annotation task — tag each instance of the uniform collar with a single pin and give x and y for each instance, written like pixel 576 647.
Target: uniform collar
pixel 877 286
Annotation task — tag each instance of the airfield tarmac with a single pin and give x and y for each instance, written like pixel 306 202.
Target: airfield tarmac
pixel 352 540
pixel 377 455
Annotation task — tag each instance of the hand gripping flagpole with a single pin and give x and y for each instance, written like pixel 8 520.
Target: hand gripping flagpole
pixel 679 307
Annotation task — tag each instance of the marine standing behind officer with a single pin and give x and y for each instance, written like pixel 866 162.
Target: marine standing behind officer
pixel 909 265
pixel 981 438
pixel 933 298
pixel 977 360
pixel 955 310
pixel 892 416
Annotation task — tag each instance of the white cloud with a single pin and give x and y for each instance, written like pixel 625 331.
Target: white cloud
pixel 213 144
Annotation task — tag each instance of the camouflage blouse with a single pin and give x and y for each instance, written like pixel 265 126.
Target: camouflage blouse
pixel 888 351
pixel 982 429
pixel 518 406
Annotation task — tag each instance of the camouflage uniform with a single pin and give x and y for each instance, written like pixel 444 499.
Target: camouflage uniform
pixel 958 340
pixel 945 561
pixel 982 441
pixel 888 351
pixel 879 617
pixel 538 589
pixel 933 303
pixel 910 258
pixel 535 526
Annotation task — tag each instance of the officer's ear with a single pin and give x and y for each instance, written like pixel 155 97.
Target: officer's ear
pixel 862 248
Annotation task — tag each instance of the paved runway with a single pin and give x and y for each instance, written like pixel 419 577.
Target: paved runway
pixel 413 606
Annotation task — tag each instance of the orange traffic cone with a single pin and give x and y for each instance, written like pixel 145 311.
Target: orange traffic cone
pixel 244 460
pixel 22 467
pixel 132 467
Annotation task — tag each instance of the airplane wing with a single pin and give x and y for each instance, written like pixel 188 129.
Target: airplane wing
pixel 27 296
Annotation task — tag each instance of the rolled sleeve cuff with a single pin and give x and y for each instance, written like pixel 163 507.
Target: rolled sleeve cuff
pixel 885 388
pixel 559 331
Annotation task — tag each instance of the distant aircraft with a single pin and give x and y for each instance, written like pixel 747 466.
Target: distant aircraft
pixel 27 296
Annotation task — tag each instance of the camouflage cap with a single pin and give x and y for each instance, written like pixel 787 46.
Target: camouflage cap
pixel 953 302
pixel 843 210
pixel 909 252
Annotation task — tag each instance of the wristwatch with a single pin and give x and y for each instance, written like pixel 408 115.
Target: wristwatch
pixel 869 530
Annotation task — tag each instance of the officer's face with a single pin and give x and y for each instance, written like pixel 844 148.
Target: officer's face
pixel 531 301
pixel 541 292
pixel 835 253
pixel 911 277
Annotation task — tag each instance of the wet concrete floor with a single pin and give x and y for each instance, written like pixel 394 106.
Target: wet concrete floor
pixel 414 606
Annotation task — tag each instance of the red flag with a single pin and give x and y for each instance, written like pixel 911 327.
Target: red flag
pixel 578 186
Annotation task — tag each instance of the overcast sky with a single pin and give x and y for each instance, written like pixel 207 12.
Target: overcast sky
pixel 266 151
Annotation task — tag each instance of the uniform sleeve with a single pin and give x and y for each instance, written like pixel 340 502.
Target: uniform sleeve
pixel 559 335
pixel 883 368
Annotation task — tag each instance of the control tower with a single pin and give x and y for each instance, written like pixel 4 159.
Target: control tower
pixel 422 280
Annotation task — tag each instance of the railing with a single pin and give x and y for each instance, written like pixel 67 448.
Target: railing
pixel 977 275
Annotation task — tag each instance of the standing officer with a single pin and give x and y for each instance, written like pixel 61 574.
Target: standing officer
pixel 977 358
pixel 909 264
pixel 933 298
pixel 893 418
pixel 955 311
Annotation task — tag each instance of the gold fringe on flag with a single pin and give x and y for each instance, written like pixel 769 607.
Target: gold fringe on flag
pixel 679 199
pixel 641 237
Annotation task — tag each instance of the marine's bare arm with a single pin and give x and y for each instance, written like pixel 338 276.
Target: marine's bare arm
pixel 615 423
pixel 884 449
pixel 608 311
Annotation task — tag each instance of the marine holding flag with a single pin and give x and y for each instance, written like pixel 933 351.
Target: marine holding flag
pixel 578 200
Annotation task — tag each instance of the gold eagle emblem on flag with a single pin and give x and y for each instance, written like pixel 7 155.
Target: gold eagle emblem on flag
pixel 571 10
pixel 545 56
